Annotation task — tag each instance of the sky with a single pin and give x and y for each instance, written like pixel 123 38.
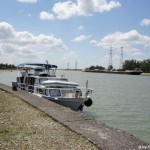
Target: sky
pixel 70 31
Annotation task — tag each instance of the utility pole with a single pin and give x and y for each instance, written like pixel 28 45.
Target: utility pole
pixel 76 65
pixel 68 66
pixel 110 66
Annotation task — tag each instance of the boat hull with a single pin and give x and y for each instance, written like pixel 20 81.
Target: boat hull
pixel 72 103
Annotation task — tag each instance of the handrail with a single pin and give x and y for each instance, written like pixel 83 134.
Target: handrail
pixel 37 89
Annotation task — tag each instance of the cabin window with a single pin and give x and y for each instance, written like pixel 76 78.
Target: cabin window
pixel 46 92
pixel 31 80
pixel 40 91
pixel 37 81
pixel 68 94
pixel 39 69
pixel 55 93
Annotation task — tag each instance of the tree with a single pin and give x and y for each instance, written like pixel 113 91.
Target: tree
pixel 92 68
pixel 95 68
pixel 110 67
pixel 145 65
pixel 130 65
pixel 7 66
pixel 133 64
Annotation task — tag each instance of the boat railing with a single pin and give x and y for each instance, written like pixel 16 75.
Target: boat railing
pixel 21 86
pixel 62 92
pixel 56 92
pixel 27 87
pixel 87 92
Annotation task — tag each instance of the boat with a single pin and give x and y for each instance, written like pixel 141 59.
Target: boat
pixel 127 72
pixel 41 80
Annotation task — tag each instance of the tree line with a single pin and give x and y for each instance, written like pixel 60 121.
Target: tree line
pixel 128 65
pixel 7 66
pixel 96 68
pixel 132 64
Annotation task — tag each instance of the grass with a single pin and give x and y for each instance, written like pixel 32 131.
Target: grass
pixel 24 127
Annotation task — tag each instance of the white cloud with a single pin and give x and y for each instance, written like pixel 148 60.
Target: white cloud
pixel 64 10
pixel 68 9
pixel 46 16
pixel 17 47
pixel 94 42
pixel 145 22
pixel 9 36
pixel 81 27
pixel 129 40
pixel 27 1
pixel 81 38
pixel 87 8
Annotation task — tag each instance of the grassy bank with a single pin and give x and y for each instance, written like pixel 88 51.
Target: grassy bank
pixel 24 127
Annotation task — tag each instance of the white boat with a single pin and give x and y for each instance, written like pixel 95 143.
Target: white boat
pixel 41 80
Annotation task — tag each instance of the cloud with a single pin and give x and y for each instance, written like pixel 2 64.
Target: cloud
pixel 81 38
pixel 87 8
pixel 81 27
pixel 94 42
pixel 46 16
pixel 129 40
pixel 64 10
pixel 6 31
pixel 68 9
pixel 27 1
pixel 145 22
pixel 9 36
pixel 17 47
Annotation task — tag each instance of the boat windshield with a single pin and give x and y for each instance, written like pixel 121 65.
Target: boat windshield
pixel 71 93
pixel 55 93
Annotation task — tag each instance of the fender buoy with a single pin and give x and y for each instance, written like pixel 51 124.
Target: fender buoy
pixel 14 86
pixel 88 102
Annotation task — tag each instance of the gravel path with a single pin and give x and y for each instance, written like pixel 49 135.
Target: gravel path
pixel 23 127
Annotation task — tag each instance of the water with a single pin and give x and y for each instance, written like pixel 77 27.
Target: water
pixel 121 101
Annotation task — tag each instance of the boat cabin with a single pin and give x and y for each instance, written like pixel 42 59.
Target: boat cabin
pixel 31 75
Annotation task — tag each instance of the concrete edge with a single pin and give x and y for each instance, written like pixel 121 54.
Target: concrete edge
pixel 100 134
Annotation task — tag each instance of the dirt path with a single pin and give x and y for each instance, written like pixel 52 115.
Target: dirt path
pixel 23 127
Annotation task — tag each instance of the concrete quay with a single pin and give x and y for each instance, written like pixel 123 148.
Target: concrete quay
pixel 103 136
